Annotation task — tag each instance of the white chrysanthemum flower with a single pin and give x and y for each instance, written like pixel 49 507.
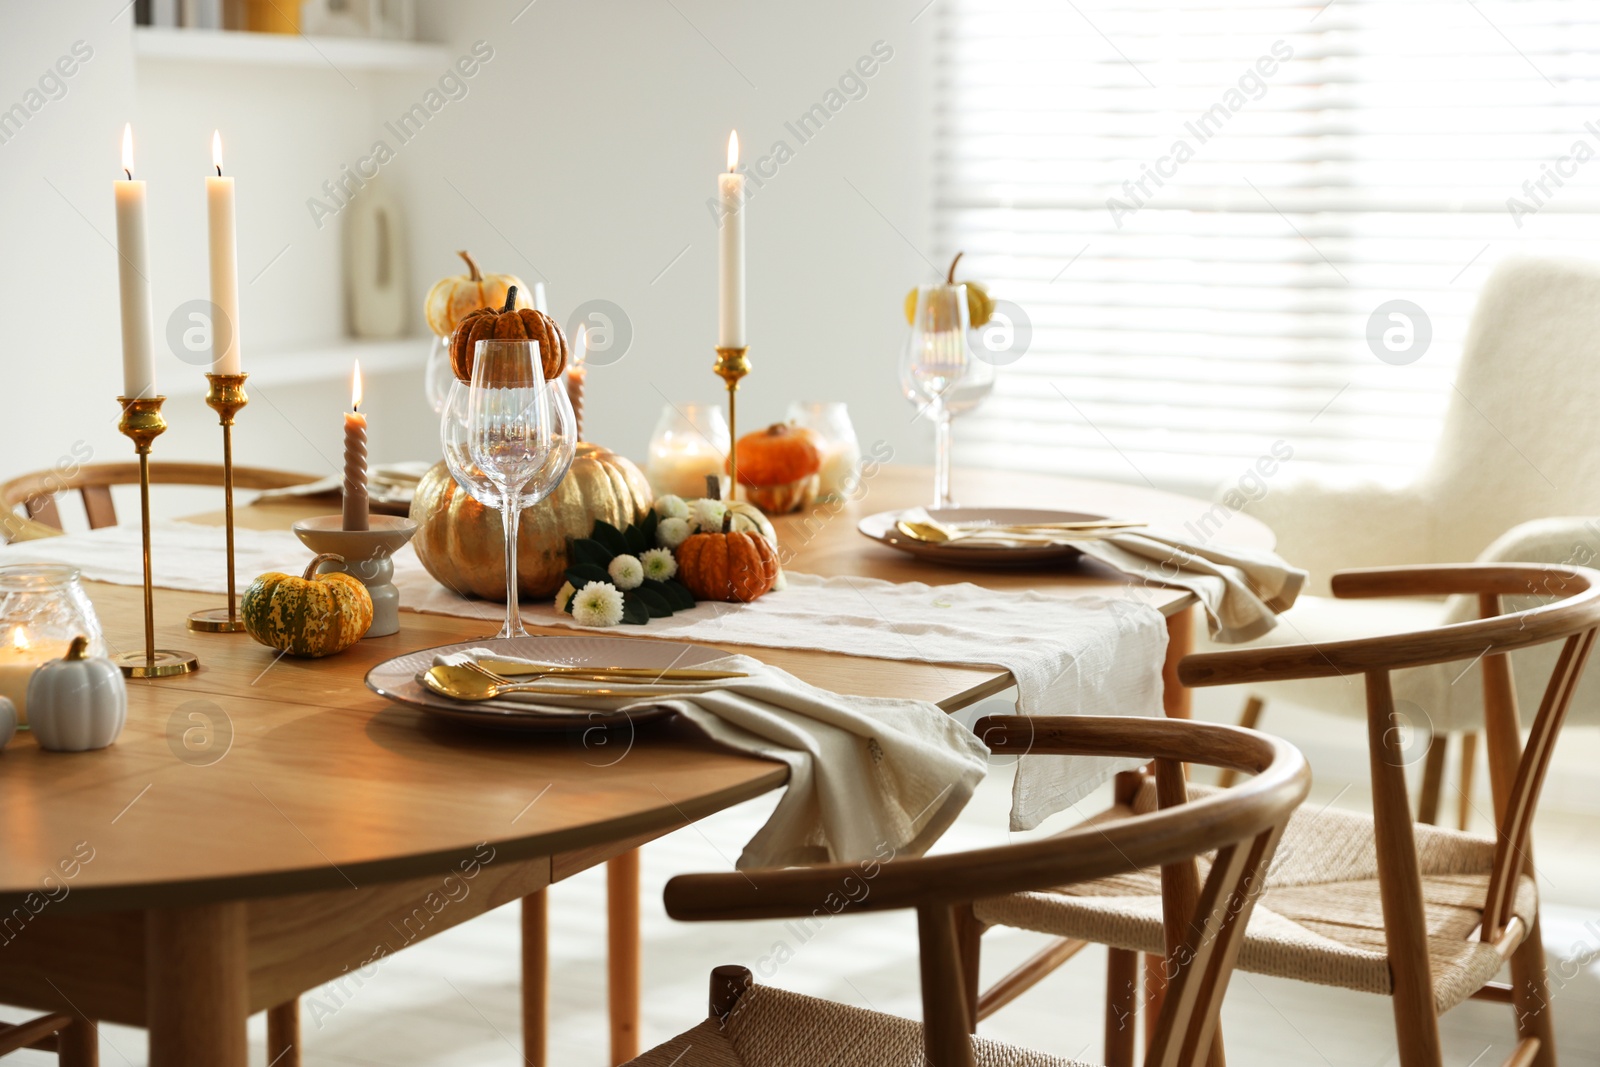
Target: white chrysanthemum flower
pixel 564 596
pixel 626 571
pixel 673 532
pixel 659 564
pixel 597 604
pixel 706 514
pixel 671 507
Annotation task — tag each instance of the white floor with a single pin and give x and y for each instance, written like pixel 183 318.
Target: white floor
pixel 452 1000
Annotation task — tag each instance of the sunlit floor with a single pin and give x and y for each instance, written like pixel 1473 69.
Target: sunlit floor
pixel 453 1000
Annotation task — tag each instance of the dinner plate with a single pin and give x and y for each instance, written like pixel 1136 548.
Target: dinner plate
pixel 881 528
pixel 396 680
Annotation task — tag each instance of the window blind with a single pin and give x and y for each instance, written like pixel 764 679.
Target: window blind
pixel 1200 206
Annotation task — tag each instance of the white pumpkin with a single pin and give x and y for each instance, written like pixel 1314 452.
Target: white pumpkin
pixel 78 702
pixel 8 720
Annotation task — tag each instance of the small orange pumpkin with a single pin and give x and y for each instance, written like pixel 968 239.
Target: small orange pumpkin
pixel 729 565
pixel 508 323
pixel 452 298
pixel 779 466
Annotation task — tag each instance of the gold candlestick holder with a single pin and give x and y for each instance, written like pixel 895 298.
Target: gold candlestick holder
pixel 226 396
pixel 142 424
pixel 732 364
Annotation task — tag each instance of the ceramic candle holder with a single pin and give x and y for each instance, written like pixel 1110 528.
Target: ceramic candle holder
pixel 369 556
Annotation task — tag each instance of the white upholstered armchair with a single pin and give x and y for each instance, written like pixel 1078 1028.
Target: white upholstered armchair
pixel 1515 477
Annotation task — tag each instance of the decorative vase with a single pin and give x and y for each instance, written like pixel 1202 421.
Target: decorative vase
pixel 459 540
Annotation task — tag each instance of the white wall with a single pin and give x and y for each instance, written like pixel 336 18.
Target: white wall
pixel 584 154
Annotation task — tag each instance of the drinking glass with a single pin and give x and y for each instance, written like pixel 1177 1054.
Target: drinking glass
pixel 453 441
pixel 689 443
pixel 836 436
pixel 939 372
pixel 437 374
pixel 511 432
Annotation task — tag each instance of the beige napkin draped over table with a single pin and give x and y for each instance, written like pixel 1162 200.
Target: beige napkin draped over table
pixel 1243 590
pixel 869 779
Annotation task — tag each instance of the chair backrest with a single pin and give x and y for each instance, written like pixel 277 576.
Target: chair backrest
pixel 1517 771
pixel 36 493
pixel 1520 439
pixel 1241 825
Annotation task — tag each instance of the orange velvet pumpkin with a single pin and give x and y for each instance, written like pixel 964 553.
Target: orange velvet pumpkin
pixel 779 466
pixel 508 323
pixel 729 565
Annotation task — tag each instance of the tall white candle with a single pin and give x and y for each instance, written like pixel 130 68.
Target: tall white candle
pixel 133 276
pixel 224 266
pixel 730 258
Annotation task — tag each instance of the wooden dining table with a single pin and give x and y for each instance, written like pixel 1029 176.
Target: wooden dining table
pixel 266 824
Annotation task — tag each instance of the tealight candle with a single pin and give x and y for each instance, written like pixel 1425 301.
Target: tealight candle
pixel 19 658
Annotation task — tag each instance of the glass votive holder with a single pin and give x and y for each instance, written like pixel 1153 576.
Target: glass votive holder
pixel 836 436
pixel 690 443
pixel 42 608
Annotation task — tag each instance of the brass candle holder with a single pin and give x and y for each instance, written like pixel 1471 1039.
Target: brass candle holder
pixel 226 396
pixel 732 364
pixel 142 424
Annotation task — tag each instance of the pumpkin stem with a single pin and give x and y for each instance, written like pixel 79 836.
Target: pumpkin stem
pixel 319 560
pixel 79 649
pixel 713 487
pixel 477 275
pixel 511 300
pixel 727 522
pixel 950 278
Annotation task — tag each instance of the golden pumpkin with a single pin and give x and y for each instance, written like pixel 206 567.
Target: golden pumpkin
pixel 727 565
pixel 452 299
pixel 460 542
pixel 313 615
pixel 508 323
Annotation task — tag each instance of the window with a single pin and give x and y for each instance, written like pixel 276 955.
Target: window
pixel 1200 207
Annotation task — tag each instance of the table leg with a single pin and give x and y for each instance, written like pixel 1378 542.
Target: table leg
pixel 283 1034
pixel 1177 703
pixel 78 1045
pixel 535 977
pixel 196 985
pixel 622 900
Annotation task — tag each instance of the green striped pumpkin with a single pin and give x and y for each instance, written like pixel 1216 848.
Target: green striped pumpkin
pixel 312 615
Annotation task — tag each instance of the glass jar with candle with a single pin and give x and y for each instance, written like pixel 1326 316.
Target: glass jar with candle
pixel 690 442
pixel 836 437
pixel 42 608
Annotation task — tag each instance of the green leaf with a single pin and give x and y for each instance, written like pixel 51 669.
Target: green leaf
pixel 637 545
pixel 610 538
pixel 581 574
pixel 678 595
pixel 634 612
pixel 647 526
pixel 588 550
pixel 653 601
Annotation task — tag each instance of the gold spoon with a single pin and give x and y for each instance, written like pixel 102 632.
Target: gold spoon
pixel 505 668
pixel 463 683
pixel 937 534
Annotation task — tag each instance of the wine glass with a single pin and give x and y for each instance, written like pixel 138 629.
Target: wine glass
pixel 437 374
pixel 940 374
pixel 470 477
pixel 511 432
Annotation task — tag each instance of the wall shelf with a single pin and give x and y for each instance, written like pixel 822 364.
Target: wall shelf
pixel 329 362
pixel 286 50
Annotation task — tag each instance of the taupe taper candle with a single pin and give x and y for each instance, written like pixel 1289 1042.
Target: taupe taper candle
pixel 355 460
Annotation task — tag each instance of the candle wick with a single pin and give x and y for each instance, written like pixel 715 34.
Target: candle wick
pixel 219 170
pixel 128 172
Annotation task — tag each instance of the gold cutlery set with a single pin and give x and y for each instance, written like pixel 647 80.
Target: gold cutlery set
pixel 490 678
pixel 933 532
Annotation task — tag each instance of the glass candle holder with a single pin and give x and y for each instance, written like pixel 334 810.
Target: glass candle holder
pixel 690 443
pixel 42 608
pixel 836 436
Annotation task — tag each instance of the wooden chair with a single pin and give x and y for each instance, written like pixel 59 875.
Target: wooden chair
pixel 36 493
pixel 1423 915
pixel 767 1027
pixel 74 1040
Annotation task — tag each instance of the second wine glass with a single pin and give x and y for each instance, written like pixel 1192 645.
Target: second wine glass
pixel 939 372
pixel 512 431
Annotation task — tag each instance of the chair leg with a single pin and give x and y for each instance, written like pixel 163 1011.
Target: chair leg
pixel 1530 997
pixel 1432 778
pixel 969 943
pixel 535 977
pixel 78 1045
pixel 1122 1007
pixel 283 1034
pixel 1248 718
pixel 622 949
pixel 1469 766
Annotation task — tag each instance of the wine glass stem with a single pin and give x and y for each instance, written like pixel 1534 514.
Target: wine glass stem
pixel 941 458
pixel 511 519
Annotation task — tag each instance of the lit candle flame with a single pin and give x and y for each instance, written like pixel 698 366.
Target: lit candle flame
pixel 733 150
pixel 127 150
pixel 355 388
pixel 216 151
pixel 19 640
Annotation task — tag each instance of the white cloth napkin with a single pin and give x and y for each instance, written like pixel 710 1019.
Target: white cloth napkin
pixel 1243 590
pixel 869 778
pixel 1069 655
